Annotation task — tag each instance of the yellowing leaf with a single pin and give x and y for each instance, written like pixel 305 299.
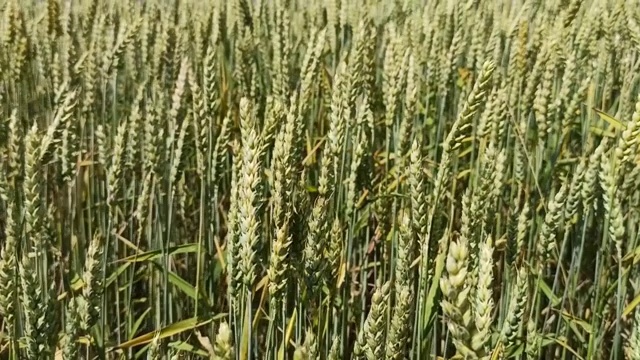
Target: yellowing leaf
pixel 167 331
pixel 287 335
pixel 601 132
pixel 244 341
pixel 205 342
pixel 497 351
pixel 562 341
pixel 617 124
pixel 632 305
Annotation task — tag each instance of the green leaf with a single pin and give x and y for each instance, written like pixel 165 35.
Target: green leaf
pixel 575 322
pixel 183 346
pixel 154 254
pixel 77 283
pixel 136 324
pixel 547 291
pixel 435 282
pixel 182 285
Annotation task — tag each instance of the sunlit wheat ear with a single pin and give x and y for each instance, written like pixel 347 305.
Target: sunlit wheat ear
pixel 176 106
pixel 153 134
pixel 135 128
pixel 533 341
pixel 90 303
pixel 114 171
pixel 363 59
pixel 412 87
pixel 176 158
pixel 573 196
pixel 68 149
pixel 572 108
pixel 335 351
pixel 309 349
pixel 474 101
pixel 220 151
pixel 476 205
pixel 531 85
pixel 200 123
pixel 359 140
pixel 370 343
pixel 544 89
pixel 249 180
pixel 546 242
pixel 456 304
pixel 242 70
pixel 33 201
pixel 632 346
pixel 590 186
pixel 417 189
pixel 405 128
pixel 393 73
pixel 102 156
pixel 232 237
pixel 162 147
pixel 315 243
pixel 113 57
pixel 515 311
pixel 483 302
pixel 485 122
pixel 522 231
pixel 301 353
pixel 16 42
pixel 626 151
pixel 332 152
pixel 281 49
pixel 223 347
pixel 72 329
pixel 611 200
pixel 275 116
pixel 632 25
pixel 282 167
pixel 400 329
pixel 40 321
pixel 278 263
pixel 158 53
pixel 9 287
pixel 310 67
pixel 333 253
pixel 154 351
pixel 15 142
pixel 405 251
pixel 90 79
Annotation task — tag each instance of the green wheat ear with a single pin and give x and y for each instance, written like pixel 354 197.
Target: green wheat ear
pixel 319 179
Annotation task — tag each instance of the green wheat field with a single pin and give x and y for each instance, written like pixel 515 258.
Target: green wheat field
pixel 307 179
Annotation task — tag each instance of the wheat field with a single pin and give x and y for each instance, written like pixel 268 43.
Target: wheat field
pixel 335 179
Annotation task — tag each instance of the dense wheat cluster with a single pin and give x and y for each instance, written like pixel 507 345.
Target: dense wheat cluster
pixel 337 179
